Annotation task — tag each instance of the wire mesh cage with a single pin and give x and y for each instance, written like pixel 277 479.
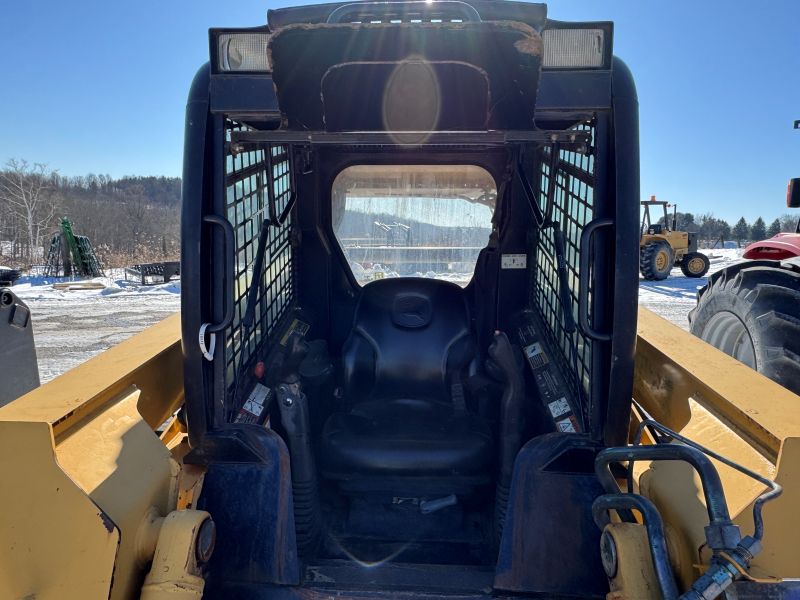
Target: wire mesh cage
pixel 254 180
pixel 572 209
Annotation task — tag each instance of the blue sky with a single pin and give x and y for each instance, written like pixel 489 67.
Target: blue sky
pixel 100 87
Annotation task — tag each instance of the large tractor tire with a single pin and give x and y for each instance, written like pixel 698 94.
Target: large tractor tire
pixel 751 311
pixel 656 260
pixel 695 264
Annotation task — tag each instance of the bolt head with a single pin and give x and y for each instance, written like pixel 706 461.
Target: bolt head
pixel 608 554
pixel 204 543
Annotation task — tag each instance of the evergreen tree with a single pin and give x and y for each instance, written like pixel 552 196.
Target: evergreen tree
pixel 725 230
pixel 683 221
pixel 741 230
pixel 774 228
pixel 759 229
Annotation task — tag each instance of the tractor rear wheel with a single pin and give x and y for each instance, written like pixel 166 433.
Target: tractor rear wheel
pixel 695 264
pixel 751 311
pixel 656 260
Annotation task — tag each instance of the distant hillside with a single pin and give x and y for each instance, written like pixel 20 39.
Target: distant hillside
pixel 361 226
pixel 128 220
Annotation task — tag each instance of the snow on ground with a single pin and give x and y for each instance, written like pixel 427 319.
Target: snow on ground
pixel 72 326
pixel 674 297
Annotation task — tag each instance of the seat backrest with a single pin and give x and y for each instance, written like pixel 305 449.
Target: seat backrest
pixel 410 336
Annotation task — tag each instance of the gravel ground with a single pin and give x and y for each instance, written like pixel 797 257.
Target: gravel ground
pixel 69 333
pixel 69 327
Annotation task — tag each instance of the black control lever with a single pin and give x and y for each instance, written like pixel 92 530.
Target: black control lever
pixel 294 410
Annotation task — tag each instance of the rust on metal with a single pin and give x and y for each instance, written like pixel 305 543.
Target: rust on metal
pixel 107 522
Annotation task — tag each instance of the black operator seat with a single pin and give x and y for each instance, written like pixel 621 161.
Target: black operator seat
pixel 411 340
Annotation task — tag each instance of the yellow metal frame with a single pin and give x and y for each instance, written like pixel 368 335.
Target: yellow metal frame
pixel 89 490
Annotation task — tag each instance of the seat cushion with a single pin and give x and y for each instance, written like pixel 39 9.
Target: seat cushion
pixel 407 438
pixel 411 337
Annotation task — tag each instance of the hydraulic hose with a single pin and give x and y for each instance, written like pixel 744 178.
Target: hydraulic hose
pixel 773 492
pixel 712 486
pixel 732 554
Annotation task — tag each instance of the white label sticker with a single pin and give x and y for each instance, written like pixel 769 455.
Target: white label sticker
pixel 559 407
pixel 534 350
pixel 565 426
pixel 536 355
pixel 254 405
pixel 514 261
pixel 259 394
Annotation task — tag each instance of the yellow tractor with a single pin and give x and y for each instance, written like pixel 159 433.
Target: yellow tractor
pixel 661 247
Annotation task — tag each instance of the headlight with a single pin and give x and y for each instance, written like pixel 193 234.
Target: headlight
pixel 573 48
pixel 243 52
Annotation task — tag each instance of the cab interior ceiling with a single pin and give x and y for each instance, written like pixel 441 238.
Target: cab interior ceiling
pixel 407 76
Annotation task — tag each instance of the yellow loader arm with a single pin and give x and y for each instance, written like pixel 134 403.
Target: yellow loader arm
pixel 89 492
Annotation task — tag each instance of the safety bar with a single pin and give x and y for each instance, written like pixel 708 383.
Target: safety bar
pixel 228 275
pixel 576 141
pixel 583 293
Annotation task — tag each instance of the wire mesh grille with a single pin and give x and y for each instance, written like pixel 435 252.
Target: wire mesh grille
pixel 252 179
pixel 572 209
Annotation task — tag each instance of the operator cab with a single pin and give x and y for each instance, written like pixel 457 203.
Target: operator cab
pixel 410 293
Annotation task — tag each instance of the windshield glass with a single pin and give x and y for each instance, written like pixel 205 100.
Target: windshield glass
pixel 413 220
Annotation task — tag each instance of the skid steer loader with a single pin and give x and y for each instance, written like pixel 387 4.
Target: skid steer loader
pixel 460 426
pixel 662 246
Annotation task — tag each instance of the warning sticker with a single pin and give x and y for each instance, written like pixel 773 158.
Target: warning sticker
pixel 559 407
pixel 298 326
pixel 567 425
pixel 550 384
pixel 536 355
pixel 255 404
pixel 513 261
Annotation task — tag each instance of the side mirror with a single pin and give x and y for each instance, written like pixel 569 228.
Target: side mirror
pixel 793 193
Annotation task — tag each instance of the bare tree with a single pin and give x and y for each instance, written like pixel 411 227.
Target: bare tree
pixel 789 222
pixel 137 212
pixel 23 191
